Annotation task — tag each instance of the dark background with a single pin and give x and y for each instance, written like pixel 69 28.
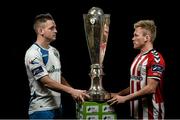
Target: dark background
pixel 17 35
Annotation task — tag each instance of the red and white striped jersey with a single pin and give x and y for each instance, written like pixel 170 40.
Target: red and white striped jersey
pixel 148 65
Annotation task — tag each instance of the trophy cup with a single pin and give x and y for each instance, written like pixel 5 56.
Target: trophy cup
pixel 96 25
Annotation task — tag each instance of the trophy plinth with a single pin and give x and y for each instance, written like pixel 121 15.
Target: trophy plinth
pixel 96 25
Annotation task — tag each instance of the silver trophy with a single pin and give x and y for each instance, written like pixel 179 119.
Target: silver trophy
pixel 96 25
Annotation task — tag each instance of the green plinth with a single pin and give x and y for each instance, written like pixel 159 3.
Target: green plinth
pixel 95 111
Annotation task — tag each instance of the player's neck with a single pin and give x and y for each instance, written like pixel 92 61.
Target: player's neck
pixel 146 48
pixel 43 43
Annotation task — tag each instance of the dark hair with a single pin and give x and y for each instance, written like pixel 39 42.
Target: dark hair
pixel 41 18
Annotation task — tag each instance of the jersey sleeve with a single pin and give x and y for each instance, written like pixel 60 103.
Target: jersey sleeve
pixel 36 66
pixel 156 67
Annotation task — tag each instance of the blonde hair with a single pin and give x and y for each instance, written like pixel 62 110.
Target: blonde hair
pixel 148 25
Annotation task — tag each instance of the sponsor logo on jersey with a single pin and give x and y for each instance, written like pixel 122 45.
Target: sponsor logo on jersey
pixel 157 68
pixel 53 69
pixel 133 77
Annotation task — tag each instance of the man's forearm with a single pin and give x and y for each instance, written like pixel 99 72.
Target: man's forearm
pixel 64 81
pixel 58 87
pixel 124 92
pixel 139 94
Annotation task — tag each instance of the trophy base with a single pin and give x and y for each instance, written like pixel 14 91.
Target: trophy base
pixel 95 111
pixel 98 96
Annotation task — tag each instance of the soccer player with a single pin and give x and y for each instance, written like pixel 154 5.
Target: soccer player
pixel 43 68
pixel 146 80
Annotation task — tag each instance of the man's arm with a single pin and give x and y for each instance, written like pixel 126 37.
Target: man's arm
pixel 52 84
pixel 150 88
pixel 64 81
pixel 124 91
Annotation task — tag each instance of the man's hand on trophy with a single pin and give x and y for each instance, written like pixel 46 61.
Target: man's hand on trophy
pixel 113 94
pixel 80 95
pixel 117 99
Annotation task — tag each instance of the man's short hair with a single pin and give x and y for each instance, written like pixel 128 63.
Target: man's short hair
pixel 41 18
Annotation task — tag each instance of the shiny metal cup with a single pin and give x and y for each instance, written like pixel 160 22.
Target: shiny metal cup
pixel 96 25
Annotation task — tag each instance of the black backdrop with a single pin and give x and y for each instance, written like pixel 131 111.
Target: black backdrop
pixel 17 35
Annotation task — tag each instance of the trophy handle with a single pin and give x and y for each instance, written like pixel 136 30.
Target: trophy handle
pixel 104 37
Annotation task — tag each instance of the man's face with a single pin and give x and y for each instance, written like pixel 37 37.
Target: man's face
pixel 49 30
pixel 139 39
